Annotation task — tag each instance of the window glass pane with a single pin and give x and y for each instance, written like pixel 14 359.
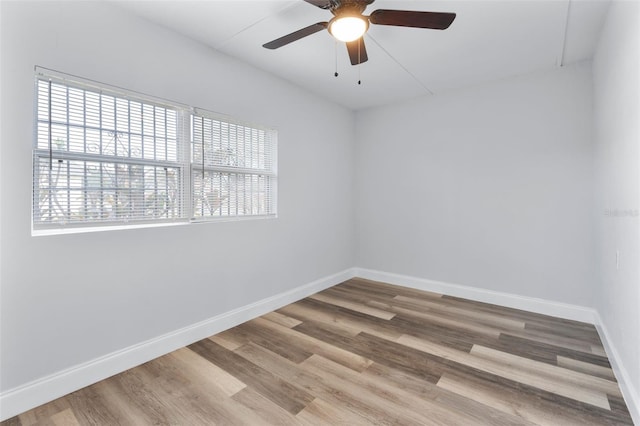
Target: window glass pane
pixel 230 194
pixel 102 158
pixel 74 191
pixel 233 173
pixel 78 116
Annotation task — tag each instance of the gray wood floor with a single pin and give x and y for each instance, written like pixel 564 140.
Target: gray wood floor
pixel 365 352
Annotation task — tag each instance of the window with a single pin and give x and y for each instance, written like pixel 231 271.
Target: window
pixel 105 156
pixel 233 168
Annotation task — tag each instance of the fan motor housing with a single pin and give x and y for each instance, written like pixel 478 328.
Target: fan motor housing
pixel 349 7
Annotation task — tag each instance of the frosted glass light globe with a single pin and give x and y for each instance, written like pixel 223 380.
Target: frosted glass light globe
pixel 348 28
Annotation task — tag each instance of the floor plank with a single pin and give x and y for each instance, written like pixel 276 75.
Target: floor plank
pixel 585 367
pixel 365 352
pixel 283 393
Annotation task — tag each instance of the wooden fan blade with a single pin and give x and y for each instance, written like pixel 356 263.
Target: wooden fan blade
pixel 322 4
pixel 357 55
pixel 407 18
pixel 296 35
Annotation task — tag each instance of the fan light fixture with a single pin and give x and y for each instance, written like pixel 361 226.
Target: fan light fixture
pixel 349 24
pixel 348 28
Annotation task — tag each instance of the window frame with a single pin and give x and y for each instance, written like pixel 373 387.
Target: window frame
pixel 269 171
pixel 183 164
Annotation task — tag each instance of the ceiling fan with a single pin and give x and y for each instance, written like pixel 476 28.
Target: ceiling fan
pixel 349 24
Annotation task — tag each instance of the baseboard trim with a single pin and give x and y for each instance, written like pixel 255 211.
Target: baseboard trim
pixel 41 391
pixel 630 394
pixel 531 304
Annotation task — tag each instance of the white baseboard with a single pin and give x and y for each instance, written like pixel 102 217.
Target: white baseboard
pixel 531 304
pixel 629 392
pixel 41 391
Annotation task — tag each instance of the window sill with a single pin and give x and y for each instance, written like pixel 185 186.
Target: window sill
pixel 88 229
pixel 233 218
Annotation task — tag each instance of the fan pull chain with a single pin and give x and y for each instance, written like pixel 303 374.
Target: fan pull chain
pixel 336 57
pixel 359 63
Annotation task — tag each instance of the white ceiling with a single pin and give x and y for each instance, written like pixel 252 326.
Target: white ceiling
pixel 488 41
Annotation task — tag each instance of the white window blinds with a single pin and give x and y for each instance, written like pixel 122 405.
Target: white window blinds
pixel 106 157
pixel 233 168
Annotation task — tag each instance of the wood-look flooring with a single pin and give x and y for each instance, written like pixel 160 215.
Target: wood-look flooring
pixel 364 352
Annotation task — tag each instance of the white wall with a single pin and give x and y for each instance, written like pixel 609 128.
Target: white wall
pixel 488 187
pixel 616 71
pixel 68 299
